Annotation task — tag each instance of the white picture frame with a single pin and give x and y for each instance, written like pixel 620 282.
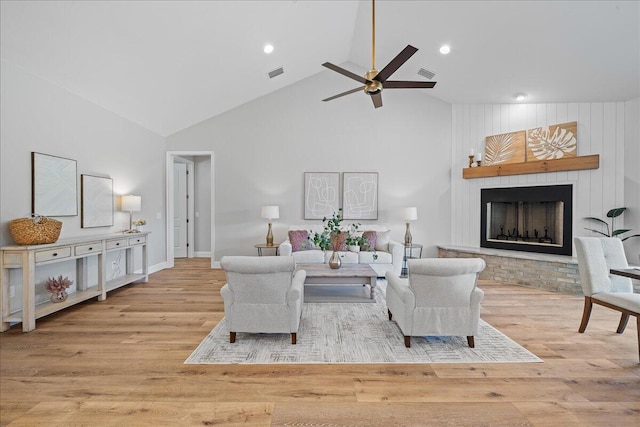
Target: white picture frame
pixel 96 201
pixel 321 194
pixel 360 195
pixel 54 188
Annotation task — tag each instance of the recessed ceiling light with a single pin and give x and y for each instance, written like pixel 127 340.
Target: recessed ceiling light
pixel 268 48
pixel 520 96
pixel 445 49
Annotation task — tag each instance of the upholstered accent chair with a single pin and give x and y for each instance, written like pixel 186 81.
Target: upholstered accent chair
pixel 596 256
pixel 262 295
pixel 439 298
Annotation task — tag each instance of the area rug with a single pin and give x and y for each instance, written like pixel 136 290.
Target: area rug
pixel 354 333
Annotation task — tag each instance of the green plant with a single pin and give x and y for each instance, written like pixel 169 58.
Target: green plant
pixel 140 222
pixel 612 232
pixel 353 238
pixel 324 239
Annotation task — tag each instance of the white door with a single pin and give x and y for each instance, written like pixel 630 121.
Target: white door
pixel 180 234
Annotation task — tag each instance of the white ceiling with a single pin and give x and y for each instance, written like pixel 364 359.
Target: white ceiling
pixel 167 65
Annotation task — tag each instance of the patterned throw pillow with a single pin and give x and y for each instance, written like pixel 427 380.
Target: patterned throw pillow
pixel 382 241
pixel 338 242
pixel 371 237
pixel 299 240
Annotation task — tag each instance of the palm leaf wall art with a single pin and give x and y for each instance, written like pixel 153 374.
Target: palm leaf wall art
pixel 552 142
pixel 505 148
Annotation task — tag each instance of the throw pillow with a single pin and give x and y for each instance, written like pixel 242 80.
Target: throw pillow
pixel 299 240
pixel 371 237
pixel 382 241
pixel 338 242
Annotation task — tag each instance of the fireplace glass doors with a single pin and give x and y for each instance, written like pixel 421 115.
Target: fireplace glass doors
pixel 534 219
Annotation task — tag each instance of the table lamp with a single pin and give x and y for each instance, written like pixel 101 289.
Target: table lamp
pixel 409 214
pixel 131 204
pixel 270 212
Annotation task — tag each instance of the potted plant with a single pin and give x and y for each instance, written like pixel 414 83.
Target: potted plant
pixel 139 223
pixel 328 237
pixel 57 287
pixel 612 232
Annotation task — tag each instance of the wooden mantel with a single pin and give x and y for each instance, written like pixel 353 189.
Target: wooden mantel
pixel 538 166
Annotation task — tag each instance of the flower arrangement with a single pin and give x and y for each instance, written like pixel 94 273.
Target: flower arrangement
pixel 325 239
pixel 59 284
pixel 138 222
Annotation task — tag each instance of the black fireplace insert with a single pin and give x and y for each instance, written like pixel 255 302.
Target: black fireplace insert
pixel 533 219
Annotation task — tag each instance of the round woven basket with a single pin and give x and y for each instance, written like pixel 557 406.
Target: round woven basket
pixel 36 230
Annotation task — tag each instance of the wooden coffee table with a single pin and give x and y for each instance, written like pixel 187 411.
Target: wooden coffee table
pixel 347 274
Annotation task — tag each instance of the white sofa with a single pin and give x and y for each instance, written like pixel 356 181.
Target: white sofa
pixel 389 253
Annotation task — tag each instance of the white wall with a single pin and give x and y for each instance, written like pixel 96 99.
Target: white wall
pixel 39 116
pixel 632 178
pixel 601 130
pixel 263 148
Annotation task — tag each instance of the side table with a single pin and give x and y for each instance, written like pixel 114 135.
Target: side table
pixel 408 254
pixel 261 246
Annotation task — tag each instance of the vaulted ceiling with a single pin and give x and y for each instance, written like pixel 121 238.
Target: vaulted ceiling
pixel 167 65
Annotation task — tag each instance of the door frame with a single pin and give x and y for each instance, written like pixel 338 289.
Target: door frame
pixel 170 158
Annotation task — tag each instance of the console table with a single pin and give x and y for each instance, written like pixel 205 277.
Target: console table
pixel 80 249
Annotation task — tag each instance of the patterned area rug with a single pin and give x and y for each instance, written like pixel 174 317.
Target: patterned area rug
pixel 354 333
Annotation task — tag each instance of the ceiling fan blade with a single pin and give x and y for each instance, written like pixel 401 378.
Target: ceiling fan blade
pixel 377 99
pixel 344 93
pixel 344 72
pixel 396 63
pixel 398 84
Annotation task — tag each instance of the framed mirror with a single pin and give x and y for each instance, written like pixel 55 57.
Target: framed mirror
pixel 96 201
pixel 53 185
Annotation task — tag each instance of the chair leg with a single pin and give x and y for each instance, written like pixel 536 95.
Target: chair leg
pixel 638 329
pixel 407 341
pixel 232 337
pixel 623 323
pixel 586 314
pixel 390 315
pixel 293 338
pixel 471 341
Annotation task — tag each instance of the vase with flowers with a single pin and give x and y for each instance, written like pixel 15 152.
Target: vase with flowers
pixel 57 287
pixel 139 223
pixel 331 237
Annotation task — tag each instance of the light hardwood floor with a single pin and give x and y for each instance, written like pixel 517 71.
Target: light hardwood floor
pixel 120 362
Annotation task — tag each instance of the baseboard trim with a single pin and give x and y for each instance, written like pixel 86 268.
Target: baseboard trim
pixel 202 254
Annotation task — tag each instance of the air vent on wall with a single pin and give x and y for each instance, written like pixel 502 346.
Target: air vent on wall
pixel 276 72
pixel 426 73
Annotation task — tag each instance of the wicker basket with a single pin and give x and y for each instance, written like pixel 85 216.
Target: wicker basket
pixel 36 230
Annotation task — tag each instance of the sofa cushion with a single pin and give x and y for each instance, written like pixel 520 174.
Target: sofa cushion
pixel 371 240
pixel 382 241
pixel 368 258
pixel 308 257
pixel 338 241
pixel 299 240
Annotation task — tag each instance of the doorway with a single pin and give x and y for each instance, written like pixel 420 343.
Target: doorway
pixel 184 220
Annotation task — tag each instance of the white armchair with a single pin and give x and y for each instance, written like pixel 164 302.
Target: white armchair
pixel 596 256
pixel 439 298
pixel 262 295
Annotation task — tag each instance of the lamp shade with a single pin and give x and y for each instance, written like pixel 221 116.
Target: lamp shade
pixel 131 203
pixel 270 212
pixel 410 214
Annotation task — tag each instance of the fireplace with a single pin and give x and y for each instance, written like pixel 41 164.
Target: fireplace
pixel 533 219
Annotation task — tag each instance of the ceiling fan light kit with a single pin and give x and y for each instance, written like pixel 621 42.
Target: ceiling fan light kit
pixel 375 81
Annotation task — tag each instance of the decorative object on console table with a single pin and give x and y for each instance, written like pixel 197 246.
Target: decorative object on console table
pixel 57 287
pixel 409 214
pixel 139 224
pixel 35 230
pixel 270 212
pixel 131 204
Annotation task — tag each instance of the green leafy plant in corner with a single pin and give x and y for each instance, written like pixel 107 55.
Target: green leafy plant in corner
pixel 612 232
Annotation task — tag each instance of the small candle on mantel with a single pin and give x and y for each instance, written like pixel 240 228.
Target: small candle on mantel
pixel 471 153
pixel 478 157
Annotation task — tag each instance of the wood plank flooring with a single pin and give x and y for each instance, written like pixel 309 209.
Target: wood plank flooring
pixel 120 363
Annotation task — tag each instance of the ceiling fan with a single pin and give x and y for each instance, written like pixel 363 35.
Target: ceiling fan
pixel 374 81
